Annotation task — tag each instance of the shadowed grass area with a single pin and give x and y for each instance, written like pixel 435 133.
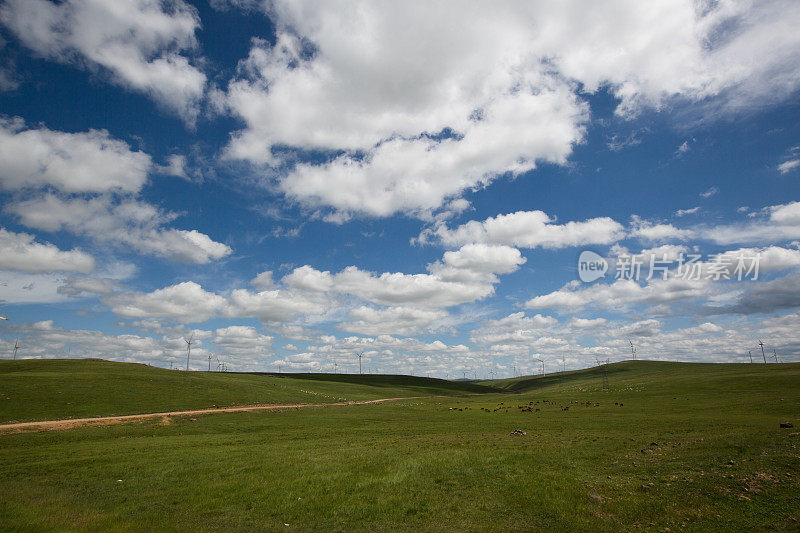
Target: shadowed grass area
pixel 73 388
pixel 679 446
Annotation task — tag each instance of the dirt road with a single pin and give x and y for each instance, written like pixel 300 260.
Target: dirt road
pixel 69 423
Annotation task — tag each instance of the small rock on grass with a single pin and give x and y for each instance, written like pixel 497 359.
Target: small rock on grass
pixel 518 432
pixel 787 425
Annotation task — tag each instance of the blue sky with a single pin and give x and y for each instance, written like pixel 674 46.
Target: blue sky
pixel 292 183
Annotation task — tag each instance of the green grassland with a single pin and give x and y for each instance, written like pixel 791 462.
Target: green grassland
pixel 684 447
pixel 74 388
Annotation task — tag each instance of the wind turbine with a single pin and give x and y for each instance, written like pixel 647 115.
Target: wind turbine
pixel 633 350
pixel 360 355
pixel 775 354
pixel 16 347
pixel 541 361
pixel 751 355
pixel 189 342
pixel 762 350
pixel 210 355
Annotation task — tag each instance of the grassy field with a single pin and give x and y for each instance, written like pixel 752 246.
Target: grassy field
pixel 683 447
pixel 71 388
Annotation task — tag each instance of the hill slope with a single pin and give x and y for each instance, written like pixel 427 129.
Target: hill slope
pixel 684 447
pixel 70 388
pixel 661 376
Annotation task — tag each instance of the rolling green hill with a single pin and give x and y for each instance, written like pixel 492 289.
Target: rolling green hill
pixel 662 376
pixel 71 388
pixel 669 446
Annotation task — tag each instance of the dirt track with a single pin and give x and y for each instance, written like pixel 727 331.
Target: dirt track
pixel 69 423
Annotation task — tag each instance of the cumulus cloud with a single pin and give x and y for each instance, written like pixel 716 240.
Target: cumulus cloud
pixel 384 353
pixel 240 347
pixel 515 328
pixel 620 293
pixel 90 161
pixel 392 320
pixel 527 229
pixel 242 340
pixel 123 223
pixel 656 232
pixel 23 254
pixel 683 278
pixel 781 223
pixel 411 301
pixel 503 94
pixel 642 328
pixel 263 281
pixel 138 43
pixel 278 305
pixel 462 276
pixel 587 323
pixel 186 302
pixel 26 288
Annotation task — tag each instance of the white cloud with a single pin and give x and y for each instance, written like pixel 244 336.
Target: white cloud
pixel 306 278
pixel 498 90
pixel 710 192
pixel 788 166
pixel 621 292
pixel 665 252
pixel 123 223
pixel 587 323
pixel 20 252
pixel 241 347
pixel 72 162
pixel 176 166
pixel 392 320
pixel 138 42
pixel 684 212
pixel 186 302
pixel 785 214
pixel 263 281
pixel 703 280
pixel 461 276
pixel 656 232
pixel 479 261
pixel 25 288
pixel 76 287
pixel 781 224
pixel 682 149
pixel 278 305
pixel 642 328
pixel 397 289
pixel 515 328
pixel 243 340
pixel 528 229
pixel 768 297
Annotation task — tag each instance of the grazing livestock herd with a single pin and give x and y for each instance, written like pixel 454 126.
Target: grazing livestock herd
pixel 531 406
